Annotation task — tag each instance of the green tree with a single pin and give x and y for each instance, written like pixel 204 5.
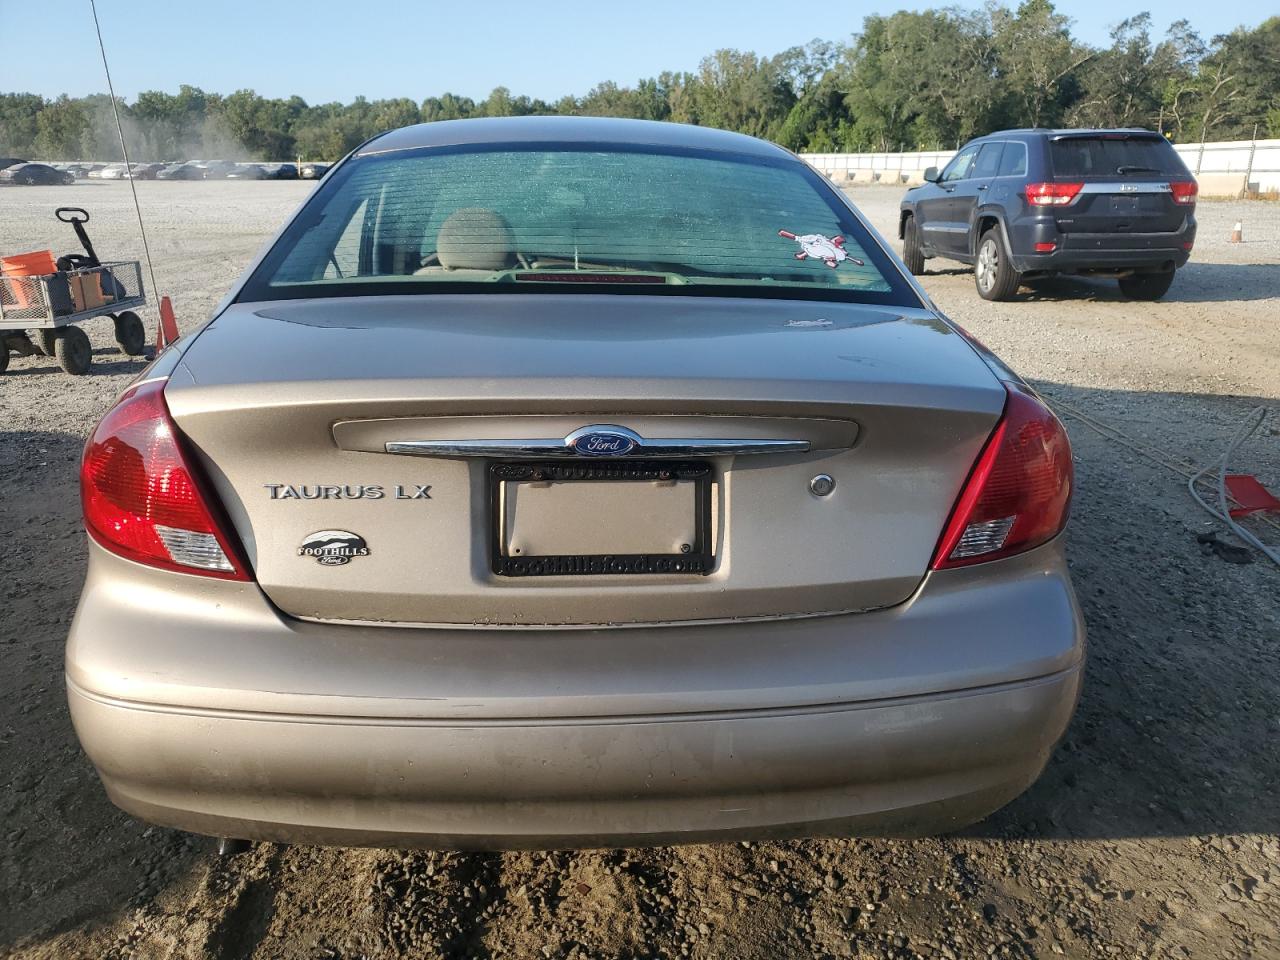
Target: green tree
pixel 881 88
pixel 60 129
pixel 1125 84
pixel 610 100
pixel 1237 83
pixel 740 91
pixel 393 114
pixel 812 123
pixel 499 103
pixel 448 106
pixel 18 128
pixel 1037 61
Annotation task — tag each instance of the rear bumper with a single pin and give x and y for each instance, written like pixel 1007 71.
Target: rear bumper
pixel 918 719
pixel 1082 252
pixel 914 766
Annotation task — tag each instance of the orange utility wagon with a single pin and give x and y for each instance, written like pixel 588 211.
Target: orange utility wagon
pixel 42 300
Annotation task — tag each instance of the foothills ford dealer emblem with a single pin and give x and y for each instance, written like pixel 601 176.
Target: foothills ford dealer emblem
pixel 602 441
pixel 332 548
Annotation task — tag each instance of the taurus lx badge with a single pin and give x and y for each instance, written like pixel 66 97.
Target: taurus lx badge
pixel 358 491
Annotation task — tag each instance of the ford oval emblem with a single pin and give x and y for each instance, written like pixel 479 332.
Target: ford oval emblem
pixel 602 442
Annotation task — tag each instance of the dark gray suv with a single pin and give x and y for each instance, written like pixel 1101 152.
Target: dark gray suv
pixel 1025 204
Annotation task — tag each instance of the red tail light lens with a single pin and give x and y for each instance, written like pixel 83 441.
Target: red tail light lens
pixel 141 498
pixel 1184 191
pixel 1019 492
pixel 1052 194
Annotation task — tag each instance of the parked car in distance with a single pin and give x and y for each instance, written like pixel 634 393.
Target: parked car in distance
pixel 146 171
pixel 247 171
pixel 114 171
pixel 537 504
pixel 35 174
pixel 219 169
pixel 313 171
pixel 1025 204
pixel 6 162
pixel 181 171
pixel 282 171
pixel 95 171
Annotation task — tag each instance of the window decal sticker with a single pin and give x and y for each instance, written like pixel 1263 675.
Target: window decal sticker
pixel 816 246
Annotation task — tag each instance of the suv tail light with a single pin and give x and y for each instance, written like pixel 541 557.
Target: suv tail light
pixel 141 497
pixel 1184 191
pixel 1018 494
pixel 1052 194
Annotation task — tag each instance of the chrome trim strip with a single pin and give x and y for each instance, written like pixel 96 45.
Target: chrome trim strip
pixel 564 447
pixel 1126 188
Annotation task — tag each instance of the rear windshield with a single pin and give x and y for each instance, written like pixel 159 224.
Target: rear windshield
pixel 1114 155
pixel 560 217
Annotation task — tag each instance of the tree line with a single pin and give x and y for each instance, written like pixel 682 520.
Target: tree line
pixel 911 80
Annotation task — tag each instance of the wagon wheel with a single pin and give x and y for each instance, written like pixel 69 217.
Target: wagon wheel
pixel 130 333
pixel 45 339
pixel 73 350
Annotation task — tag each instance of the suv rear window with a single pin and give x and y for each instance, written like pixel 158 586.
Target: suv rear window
pixel 627 219
pixel 1114 155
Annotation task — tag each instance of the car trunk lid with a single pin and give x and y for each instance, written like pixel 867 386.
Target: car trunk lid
pixel 890 403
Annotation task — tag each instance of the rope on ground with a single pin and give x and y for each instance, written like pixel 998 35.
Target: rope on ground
pixel 1223 512
pixel 1187 470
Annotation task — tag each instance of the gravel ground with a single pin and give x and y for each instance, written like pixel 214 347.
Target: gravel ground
pixel 1155 831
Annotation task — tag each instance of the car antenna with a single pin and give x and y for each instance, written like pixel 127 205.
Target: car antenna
pixel 165 307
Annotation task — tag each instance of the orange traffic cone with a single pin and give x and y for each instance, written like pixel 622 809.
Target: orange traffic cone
pixel 1237 233
pixel 167 330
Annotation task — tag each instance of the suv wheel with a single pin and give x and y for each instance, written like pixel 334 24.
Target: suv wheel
pixel 1146 286
pixel 994 274
pixel 911 254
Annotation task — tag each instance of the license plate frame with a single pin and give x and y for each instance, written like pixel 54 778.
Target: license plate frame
pixel 698 561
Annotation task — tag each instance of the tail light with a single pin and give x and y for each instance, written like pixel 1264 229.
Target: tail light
pixel 1052 194
pixel 1018 494
pixel 1184 191
pixel 141 497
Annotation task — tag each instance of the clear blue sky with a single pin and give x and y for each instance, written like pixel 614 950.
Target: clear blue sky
pixel 326 50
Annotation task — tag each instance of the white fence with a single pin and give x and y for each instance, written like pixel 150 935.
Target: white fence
pixel 1224 168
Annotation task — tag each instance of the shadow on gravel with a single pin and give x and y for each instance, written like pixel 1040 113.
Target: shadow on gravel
pixel 1194 283
pixel 115 364
pixel 1174 736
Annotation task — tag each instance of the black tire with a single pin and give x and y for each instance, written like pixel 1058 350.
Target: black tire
pixel 1146 286
pixel 131 335
pixel 4 357
pixel 73 351
pixel 993 274
pixel 911 253
pixel 44 340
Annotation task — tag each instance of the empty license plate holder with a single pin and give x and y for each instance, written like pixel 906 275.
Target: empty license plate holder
pixel 669 501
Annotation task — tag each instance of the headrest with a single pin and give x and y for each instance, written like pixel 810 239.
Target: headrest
pixel 474 238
